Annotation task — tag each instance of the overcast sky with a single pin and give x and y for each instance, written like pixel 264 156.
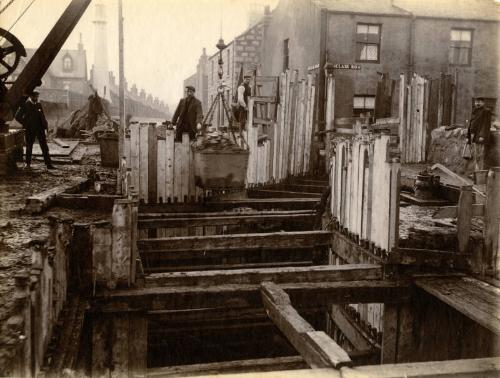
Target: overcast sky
pixel 163 38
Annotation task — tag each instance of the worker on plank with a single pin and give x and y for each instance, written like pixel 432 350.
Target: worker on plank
pixel 31 116
pixel 188 116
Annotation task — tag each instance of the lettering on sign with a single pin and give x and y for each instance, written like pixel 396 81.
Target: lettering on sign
pixel 314 67
pixel 339 66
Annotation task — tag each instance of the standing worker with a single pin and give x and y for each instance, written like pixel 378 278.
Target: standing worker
pixel 479 132
pixel 31 116
pixel 188 116
pixel 244 92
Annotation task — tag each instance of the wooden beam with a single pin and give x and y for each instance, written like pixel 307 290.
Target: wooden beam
pixel 257 204
pixel 264 99
pixel 308 295
pixel 211 214
pixel 452 211
pixel 481 367
pixel 351 331
pixel 321 273
pixel 299 239
pixel 473 298
pixel 199 267
pixel 429 257
pixel 231 367
pixel 316 348
pixel 229 220
pixel 269 193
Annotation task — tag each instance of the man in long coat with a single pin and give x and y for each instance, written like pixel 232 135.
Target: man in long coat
pixel 479 132
pixel 31 116
pixel 188 116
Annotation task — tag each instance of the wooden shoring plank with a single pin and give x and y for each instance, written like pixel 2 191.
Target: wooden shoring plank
pixel 162 163
pixel 308 157
pixel 199 267
pixel 290 121
pixel 475 299
pixel 299 239
pixel 317 349
pixel 302 133
pixel 231 367
pixel 135 155
pixel 299 203
pixel 263 193
pixel 305 219
pixel 126 151
pixel 152 164
pixel 452 211
pixel 177 195
pixel 308 295
pixel 307 188
pixel 321 273
pixel 359 340
pixel 285 124
pixel 192 185
pixel 143 163
pixel 464 220
pixel 185 148
pixel 210 214
pixel 481 367
pixel 169 165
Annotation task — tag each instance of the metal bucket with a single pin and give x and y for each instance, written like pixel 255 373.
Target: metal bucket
pixel 220 170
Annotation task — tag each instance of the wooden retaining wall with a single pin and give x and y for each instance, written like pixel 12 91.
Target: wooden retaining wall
pixel 365 186
pixel 284 149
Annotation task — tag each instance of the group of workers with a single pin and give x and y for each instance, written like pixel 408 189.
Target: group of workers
pixel 188 118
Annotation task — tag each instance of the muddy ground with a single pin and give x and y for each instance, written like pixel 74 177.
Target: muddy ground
pixel 20 232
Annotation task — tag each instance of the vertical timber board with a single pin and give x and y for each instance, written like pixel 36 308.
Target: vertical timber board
pixel 127 151
pixel 464 218
pixel 169 165
pixel 348 186
pixel 390 334
pixel 177 172
pixel 101 253
pixel 360 189
pixel 138 344
pixel 492 217
pixel 395 175
pixel 255 139
pixel 283 81
pixel 101 327
pixel 185 167
pixel 135 155
pixel 122 243
pixel 152 164
pixel 143 163
pixel 291 121
pixel 329 112
pixel 120 346
pixel 405 349
pixel 308 158
pixel 162 169
pixel 133 237
pixel 333 183
pixel 303 122
pixel 286 132
pixel 192 185
pixel 276 146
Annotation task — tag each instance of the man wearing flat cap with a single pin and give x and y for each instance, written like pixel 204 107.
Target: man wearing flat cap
pixel 244 92
pixel 31 116
pixel 479 132
pixel 188 116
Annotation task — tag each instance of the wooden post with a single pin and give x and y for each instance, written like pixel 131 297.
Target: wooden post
pixel 491 218
pixel 397 340
pixel 121 249
pixel 464 218
pixel 152 163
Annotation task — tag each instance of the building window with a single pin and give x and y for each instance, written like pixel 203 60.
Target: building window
pixel 368 42
pixel 67 63
pixel 286 55
pixel 460 47
pixel 363 106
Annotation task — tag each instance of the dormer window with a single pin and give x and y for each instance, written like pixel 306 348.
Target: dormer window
pixel 67 63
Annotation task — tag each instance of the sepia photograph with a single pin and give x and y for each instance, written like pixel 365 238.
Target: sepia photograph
pixel 250 188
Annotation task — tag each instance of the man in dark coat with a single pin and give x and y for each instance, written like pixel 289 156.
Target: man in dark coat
pixel 479 131
pixel 31 116
pixel 188 116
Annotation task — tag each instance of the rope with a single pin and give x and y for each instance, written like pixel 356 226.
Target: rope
pixel 6 6
pixel 15 22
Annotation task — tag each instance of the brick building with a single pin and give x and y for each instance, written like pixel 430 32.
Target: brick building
pixel 458 37
pixel 243 51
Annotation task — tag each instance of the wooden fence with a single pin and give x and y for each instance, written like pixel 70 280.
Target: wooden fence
pixel 161 170
pixel 424 104
pixel 285 142
pixel 365 184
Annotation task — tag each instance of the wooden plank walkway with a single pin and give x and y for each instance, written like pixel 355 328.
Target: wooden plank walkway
pixel 475 299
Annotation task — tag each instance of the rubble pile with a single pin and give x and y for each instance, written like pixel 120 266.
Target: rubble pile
pixel 218 142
